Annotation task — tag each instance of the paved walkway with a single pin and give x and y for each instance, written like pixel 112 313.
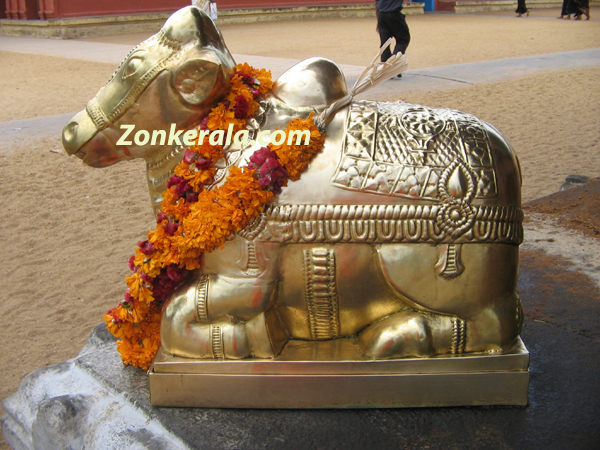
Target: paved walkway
pixel 443 77
pixel 434 78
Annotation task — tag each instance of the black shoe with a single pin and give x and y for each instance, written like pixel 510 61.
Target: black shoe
pixel 397 77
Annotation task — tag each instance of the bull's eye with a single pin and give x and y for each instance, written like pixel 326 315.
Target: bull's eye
pixel 187 86
pixel 132 67
pixel 195 80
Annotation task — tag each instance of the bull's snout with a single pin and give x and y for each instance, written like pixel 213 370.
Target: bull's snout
pixel 77 132
pixel 82 138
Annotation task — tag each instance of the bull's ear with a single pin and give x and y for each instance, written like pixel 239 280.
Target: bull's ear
pixel 199 78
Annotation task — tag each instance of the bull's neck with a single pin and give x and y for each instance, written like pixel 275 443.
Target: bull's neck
pixel 159 168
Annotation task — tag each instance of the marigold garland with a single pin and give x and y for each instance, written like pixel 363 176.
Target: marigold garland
pixel 194 220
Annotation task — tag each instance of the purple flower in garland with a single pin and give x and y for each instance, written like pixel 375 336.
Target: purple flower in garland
pixel 255 92
pixel 259 157
pixel 181 185
pixel 146 278
pixel 183 189
pixel 132 265
pixel 191 197
pixel 248 79
pixel 241 107
pixel 190 156
pixel 270 173
pixel 167 281
pixel 203 163
pixel 146 247
pixel 171 226
pixel 204 124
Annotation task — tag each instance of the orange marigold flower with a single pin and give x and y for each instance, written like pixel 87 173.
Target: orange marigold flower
pixel 208 151
pixel 296 157
pixel 220 117
pixel 262 75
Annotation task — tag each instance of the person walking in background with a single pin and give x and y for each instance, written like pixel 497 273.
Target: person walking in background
pixel 521 8
pixel 568 8
pixel 392 23
pixel 582 7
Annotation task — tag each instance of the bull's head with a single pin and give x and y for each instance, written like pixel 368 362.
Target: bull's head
pixel 174 77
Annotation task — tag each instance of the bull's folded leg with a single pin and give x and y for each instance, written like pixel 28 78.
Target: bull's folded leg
pixel 219 340
pixel 419 333
pixel 224 340
pixel 220 317
pixel 412 333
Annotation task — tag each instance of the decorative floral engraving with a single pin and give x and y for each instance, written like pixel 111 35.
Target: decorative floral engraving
pixel 393 223
pixel 422 122
pixel 401 150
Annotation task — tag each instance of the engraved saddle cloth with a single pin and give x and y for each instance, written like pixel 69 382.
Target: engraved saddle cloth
pixel 402 150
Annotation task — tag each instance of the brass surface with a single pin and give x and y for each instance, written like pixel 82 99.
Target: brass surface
pixel 343 391
pixel 322 374
pixel 343 356
pixel 401 237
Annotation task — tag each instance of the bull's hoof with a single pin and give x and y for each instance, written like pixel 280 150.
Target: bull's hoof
pixel 411 333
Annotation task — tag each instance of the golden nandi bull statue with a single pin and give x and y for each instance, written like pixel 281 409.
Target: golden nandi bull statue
pixel 402 236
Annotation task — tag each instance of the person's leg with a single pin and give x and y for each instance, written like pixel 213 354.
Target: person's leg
pixel 405 39
pixel 396 22
pixel 384 34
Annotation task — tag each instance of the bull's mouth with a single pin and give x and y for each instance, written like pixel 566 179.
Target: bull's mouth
pixel 92 159
pixel 81 154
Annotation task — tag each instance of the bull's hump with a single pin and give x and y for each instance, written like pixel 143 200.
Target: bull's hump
pixel 315 82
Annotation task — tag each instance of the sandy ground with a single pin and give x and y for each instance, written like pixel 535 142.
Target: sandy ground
pixel 38 85
pixel 67 230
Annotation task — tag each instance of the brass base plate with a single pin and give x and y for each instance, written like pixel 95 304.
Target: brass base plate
pixel 334 374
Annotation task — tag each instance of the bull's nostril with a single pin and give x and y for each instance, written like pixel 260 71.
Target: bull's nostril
pixel 70 132
pixel 79 130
